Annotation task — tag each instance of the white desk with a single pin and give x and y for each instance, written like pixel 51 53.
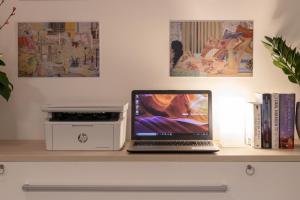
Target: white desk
pixel 82 175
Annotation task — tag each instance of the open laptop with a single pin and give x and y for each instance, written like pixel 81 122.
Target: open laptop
pixel 171 121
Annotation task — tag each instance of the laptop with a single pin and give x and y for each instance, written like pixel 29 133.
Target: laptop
pixel 171 121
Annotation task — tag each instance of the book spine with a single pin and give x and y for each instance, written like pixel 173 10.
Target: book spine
pixel 266 123
pixel 257 126
pixel 275 121
pixel 286 120
pixel 249 125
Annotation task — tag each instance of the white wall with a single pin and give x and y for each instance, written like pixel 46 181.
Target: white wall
pixel 135 53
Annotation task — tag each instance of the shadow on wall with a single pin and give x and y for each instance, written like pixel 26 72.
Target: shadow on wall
pixel 7 117
pixel 16 115
pixel 287 15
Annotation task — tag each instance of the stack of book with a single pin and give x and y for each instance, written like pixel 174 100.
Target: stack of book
pixel 270 121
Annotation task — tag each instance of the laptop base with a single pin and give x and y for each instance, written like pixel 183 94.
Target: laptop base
pixel 132 148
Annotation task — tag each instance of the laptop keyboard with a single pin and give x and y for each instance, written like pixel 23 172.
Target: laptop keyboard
pixel 174 143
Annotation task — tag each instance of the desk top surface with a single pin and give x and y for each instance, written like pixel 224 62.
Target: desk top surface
pixel 35 151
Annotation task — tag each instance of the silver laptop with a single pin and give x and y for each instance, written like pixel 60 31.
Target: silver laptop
pixel 171 121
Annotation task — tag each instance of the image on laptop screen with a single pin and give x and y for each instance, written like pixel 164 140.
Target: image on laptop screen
pixel 171 116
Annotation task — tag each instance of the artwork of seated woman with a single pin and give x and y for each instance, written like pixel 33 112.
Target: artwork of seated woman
pixel 219 56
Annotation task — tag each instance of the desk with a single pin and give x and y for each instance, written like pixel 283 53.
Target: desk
pixel 35 151
pixel 231 174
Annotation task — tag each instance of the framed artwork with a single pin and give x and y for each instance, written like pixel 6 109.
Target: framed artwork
pixel 58 49
pixel 211 48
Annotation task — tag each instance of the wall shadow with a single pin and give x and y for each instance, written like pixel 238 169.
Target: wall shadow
pixel 287 15
pixel 18 116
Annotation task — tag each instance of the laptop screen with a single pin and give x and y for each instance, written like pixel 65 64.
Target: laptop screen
pixel 171 115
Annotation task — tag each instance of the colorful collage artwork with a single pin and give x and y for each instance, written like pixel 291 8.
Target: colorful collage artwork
pixel 59 49
pixel 211 48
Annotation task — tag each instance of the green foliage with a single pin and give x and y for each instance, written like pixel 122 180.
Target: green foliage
pixel 6 86
pixel 284 57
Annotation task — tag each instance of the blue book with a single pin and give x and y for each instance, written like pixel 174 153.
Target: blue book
pixel 266 122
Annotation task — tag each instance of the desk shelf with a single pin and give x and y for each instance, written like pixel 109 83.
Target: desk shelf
pixel 35 151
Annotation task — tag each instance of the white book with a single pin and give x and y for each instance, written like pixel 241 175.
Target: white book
pixel 275 121
pixel 253 125
pixel 249 125
pixel 257 125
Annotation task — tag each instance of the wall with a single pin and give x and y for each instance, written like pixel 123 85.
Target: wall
pixel 135 54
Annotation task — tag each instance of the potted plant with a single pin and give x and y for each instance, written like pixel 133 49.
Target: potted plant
pixel 6 86
pixel 287 59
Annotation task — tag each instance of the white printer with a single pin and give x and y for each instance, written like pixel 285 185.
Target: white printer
pixel 85 127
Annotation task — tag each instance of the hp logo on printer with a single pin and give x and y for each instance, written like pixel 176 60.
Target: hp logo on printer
pixel 82 138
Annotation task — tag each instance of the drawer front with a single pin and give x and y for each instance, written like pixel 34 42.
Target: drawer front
pixel 81 181
pixel 174 181
pixel 83 137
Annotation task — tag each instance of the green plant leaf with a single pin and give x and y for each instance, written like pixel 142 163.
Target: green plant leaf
pixel 291 56
pixel 285 52
pixel 279 64
pixel 3 79
pixel 286 71
pixel 6 86
pixel 297 63
pixel 11 86
pixel 280 45
pixel 280 59
pixel 294 60
pixel 267 45
pixel 2 63
pixel 298 56
pixel 5 92
pixel 297 69
pixel 270 40
pixel 292 79
pixel 275 51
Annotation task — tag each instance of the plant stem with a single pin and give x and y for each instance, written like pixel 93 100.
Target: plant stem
pixel 2 2
pixel 8 18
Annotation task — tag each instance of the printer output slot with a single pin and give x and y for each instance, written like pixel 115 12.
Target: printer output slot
pixel 84 116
